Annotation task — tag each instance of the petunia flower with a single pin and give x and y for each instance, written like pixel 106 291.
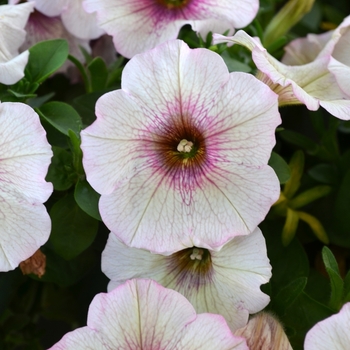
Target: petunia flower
pixel 311 84
pixel 335 42
pixel 141 314
pixel 75 19
pixel 13 19
pixel 226 282
pixel 140 25
pixel 331 333
pixel 25 156
pixel 180 153
pixel 40 27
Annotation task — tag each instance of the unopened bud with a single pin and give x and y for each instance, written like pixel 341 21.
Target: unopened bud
pixel 264 332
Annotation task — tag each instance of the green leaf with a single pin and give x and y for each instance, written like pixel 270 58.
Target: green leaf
pixel 301 316
pixel 62 116
pixel 74 144
pixel 346 294
pixel 324 173
pixel 61 172
pixel 309 196
pixel 340 219
pixel 45 58
pixel 73 230
pixel 337 283
pixel 288 294
pixel 85 105
pixel 66 273
pixel 87 198
pixel 39 101
pixel 98 74
pixel 315 225
pixel 296 166
pixel 290 226
pixel 281 168
pixel 234 65
pixel 289 263
pixel 300 140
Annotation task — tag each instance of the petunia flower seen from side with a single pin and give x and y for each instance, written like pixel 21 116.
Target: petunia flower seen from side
pixel 25 156
pixel 180 153
pixel 40 27
pixel 226 282
pixel 331 333
pixel 337 42
pixel 140 25
pixel 311 84
pixel 141 314
pixel 76 20
pixel 13 19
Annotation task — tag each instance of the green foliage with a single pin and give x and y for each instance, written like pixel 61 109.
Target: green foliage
pixel 45 58
pixel 87 198
pixel 73 231
pixel 337 283
pixel 61 116
pixel 281 168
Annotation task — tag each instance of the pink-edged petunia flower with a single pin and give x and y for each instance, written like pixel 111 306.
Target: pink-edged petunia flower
pixel 140 25
pixel 331 333
pixel 76 20
pixel 141 314
pixel 226 282
pixel 336 42
pixel 311 84
pixel 40 27
pixel 25 156
pixel 180 153
pixel 13 19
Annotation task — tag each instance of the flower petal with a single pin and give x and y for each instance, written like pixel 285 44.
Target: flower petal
pixel 233 289
pixel 24 159
pixel 138 25
pixel 211 333
pixel 331 333
pixel 142 195
pixel 155 315
pixel 13 18
pixel 81 339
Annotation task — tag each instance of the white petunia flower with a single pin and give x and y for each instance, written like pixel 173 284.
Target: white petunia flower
pixel 76 20
pixel 311 84
pixel 140 25
pixel 13 19
pixel 335 42
pixel 226 282
pixel 331 333
pixel 180 153
pixel 25 156
pixel 141 314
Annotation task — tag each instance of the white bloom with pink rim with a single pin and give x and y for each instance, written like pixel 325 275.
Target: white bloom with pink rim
pixel 331 333
pixel 76 20
pixel 141 314
pixel 180 153
pixel 312 84
pixel 337 42
pixel 25 156
pixel 13 19
pixel 226 282
pixel 140 25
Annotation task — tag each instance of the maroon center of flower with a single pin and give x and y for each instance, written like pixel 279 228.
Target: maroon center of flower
pixel 173 4
pixel 192 267
pixel 180 143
